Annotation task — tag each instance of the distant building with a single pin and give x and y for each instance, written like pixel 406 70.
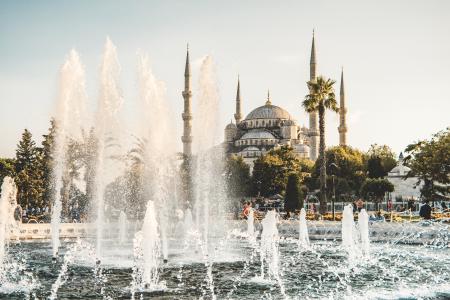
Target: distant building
pixel 404 188
pixel 265 127
pixel 269 126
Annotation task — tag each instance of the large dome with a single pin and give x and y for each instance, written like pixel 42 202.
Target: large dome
pixel 268 111
pixel 257 134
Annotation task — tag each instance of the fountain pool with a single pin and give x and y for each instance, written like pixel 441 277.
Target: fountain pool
pixel 392 271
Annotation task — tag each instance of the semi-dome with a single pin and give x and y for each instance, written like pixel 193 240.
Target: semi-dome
pixel 231 126
pixel 257 134
pixel 251 149
pixel 301 148
pixel 268 111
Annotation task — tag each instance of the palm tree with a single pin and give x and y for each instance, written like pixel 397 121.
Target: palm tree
pixel 321 97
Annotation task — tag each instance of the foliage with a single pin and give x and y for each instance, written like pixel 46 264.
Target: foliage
pixel 46 162
pixel 380 159
pixel 6 168
pixel 429 160
pixel 271 171
pixel 346 164
pixel 321 97
pixel 377 188
pixel 237 174
pixel 28 174
pixel 294 198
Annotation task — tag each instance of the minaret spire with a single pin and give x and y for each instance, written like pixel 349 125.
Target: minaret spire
pixel 313 116
pixel 238 114
pixel 187 114
pixel 312 61
pixel 342 113
pixel 268 102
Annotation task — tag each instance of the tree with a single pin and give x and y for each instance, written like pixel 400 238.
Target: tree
pixel 27 169
pixel 429 161
pixel 6 168
pixel 237 174
pixel 293 199
pixel 349 168
pixel 380 159
pixel 321 97
pixel 46 162
pixel 271 171
pixel 377 188
pixel 375 167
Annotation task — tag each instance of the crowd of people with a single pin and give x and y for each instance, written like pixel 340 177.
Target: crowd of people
pixel 262 205
pixel 36 214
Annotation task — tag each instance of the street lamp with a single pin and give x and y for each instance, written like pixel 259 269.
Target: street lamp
pixel 259 187
pixel 333 168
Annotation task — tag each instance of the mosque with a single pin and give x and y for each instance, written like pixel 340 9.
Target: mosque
pixel 266 127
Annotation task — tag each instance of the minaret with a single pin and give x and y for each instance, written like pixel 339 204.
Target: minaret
pixel 238 114
pixel 187 115
pixel 342 112
pixel 313 118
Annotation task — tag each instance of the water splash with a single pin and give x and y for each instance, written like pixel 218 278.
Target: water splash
pixel 303 237
pixel 269 250
pixel 159 149
pixel 107 132
pixel 69 120
pixel 251 226
pixel 7 205
pixel 349 235
pixel 123 227
pixel 209 194
pixel 147 252
pixel 363 228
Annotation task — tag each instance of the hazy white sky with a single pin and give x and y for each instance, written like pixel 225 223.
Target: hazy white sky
pixel 396 57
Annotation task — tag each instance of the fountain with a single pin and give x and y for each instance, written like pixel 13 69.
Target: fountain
pixel 349 238
pixel 204 260
pixel 107 130
pixel 269 246
pixel 147 245
pixel 7 206
pixel 251 226
pixel 269 249
pixel 303 237
pixel 122 227
pixel 69 120
pixel 363 228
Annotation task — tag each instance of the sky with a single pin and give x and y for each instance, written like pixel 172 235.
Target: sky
pixel 395 55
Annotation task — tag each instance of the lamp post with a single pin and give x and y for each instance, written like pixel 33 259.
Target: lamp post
pixel 259 187
pixel 333 168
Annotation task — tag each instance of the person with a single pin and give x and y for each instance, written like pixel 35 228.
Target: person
pixel 411 205
pixel 18 213
pixel 389 205
pixel 359 204
pixel 425 211
pixel 246 211
pixel 354 206
pixel 444 207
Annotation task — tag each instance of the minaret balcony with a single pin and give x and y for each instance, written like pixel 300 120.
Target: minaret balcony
pixel 187 94
pixel 186 139
pixel 186 116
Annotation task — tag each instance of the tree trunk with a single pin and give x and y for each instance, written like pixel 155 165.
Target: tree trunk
pixel 322 162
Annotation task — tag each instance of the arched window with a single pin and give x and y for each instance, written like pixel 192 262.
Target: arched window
pixel 263 123
pixel 257 123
